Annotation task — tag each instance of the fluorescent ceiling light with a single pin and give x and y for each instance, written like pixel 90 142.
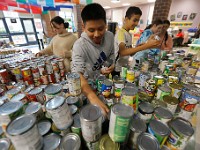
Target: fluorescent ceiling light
pixel 126 4
pixel 151 1
pixel 106 7
pixel 115 1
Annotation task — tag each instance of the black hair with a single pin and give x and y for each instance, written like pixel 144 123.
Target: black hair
pixel 59 20
pixel 180 30
pixel 166 34
pixel 93 11
pixel 155 22
pixel 133 11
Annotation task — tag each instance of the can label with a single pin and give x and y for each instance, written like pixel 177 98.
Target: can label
pixel 124 72
pixel 49 68
pixel 106 90
pixel 45 79
pixel 74 86
pixel 4 77
pixel 118 90
pixel 61 63
pixel 176 92
pixel 55 66
pixel 42 70
pixel 51 78
pixel 129 100
pixel 163 120
pixel 185 114
pixel 173 79
pixel 26 72
pixel 161 93
pixel 36 73
pixel 142 79
pixel 57 76
pixel 130 76
pixel 93 145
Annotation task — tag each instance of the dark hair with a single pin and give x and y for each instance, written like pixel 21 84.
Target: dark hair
pixel 180 30
pixel 133 11
pixel 166 34
pixel 59 20
pixel 155 22
pixel 93 11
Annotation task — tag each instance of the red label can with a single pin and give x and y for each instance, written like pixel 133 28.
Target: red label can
pixel 55 66
pixel 35 72
pixel 45 79
pixel 51 78
pixel 26 72
pixel 41 69
pixel 4 78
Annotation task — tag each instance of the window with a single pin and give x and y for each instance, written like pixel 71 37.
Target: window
pixel 2 27
pixel 14 27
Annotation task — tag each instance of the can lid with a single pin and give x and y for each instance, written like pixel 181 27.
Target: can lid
pixel 106 143
pixel 3 98
pixel 138 125
pixel 72 100
pixel 170 100
pixel 73 75
pixel 44 127
pixel 107 82
pixel 181 126
pixel 77 123
pixel 71 141
pixel 18 97
pixel 21 124
pixel 147 141
pixel 90 112
pixel 165 88
pixel 158 103
pixel 33 107
pixel 43 86
pixel 29 88
pixel 159 128
pixel 117 78
pixel 10 107
pixel 4 144
pixel 53 88
pixel 13 91
pixel 176 86
pixel 122 110
pixel 145 108
pixel 55 102
pixel 35 91
pixel 51 141
pixel 73 109
pixel 130 91
pixel 163 112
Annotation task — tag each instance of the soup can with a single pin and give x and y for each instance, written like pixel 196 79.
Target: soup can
pixel 159 80
pixel 172 103
pixel 181 72
pixel 36 95
pixel 137 127
pixel 145 111
pixel 106 143
pixel 51 78
pixel 143 78
pixel 45 79
pixel 162 114
pixel 120 120
pixel 106 88
pixel 55 66
pixel 168 69
pixel 91 123
pixel 60 112
pixel 61 63
pixel 35 72
pixel 162 91
pixel 176 90
pixel 118 86
pixel 51 141
pixel 130 97
pixel 5 144
pixel 130 77
pixel 70 141
pixel 181 131
pixel 76 126
pixel 35 108
pixel 4 77
pixel 150 87
pixel 20 97
pixel 74 83
pixel 41 69
pixel 145 138
pixel 26 72
pixel 52 90
pixel 48 67
pixel 192 70
pixel 74 100
pixel 159 130
pixel 123 72
pixel 44 127
pixel 24 133
pixel 99 82
pixel 10 111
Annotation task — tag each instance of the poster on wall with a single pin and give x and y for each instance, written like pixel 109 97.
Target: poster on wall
pixel 179 15
pixel 172 17
pixel 184 17
pixel 192 16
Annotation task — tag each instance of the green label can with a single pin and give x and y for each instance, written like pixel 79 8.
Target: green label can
pixel 162 91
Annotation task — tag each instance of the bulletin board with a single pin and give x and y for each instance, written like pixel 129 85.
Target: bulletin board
pixel 181 24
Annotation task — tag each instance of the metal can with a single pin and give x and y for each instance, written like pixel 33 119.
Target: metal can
pixel 172 103
pixel 145 138
pixel 99 82
pixel 143 96
pixel 145 66
pixel 57 76
pixel 62 132
pixel 76 126
pixel 44 127
pixel 20 97
pixel 145 111
pixel 130 77
pixel 176 90
pixel 91 123
pixel 51 142
pixel 24 133
pixel 53 90
pixel 73 109
pixel 9 111
pixel 26 72
pixel 123 72
pixel 159 130
pixel 35 72
pixel 192 70
pixel 12 92
pixel 181 72
pixel 70 141
pixel 74 83
pixel 162 91
pixel 106 88
pixel 28 89
pixel 55 66
pixel 143 78
pixel 181 131
pixel 150 87
pixel 130 97
pixel 48 67
pixel 45 79
pixel 36 95
pixel 162 65
pixel 42 70
pixel 51 78
pixel 137 127
pixel 62 73
pixel 120 119
pixel 106 143
pixel 168 69
pixel 61 63
pixel 16 71
pixel 158 103
pixel 4 77
pixel 159 80
pixel 118 86
pixel 162 114
pixel 60 112
pixel 92 145
pixel 35 108
pixel 5 144
pixel 73 100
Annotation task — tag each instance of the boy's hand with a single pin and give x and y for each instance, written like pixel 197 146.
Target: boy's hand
pixel 106 70
pixel 38 54
pixel 153 43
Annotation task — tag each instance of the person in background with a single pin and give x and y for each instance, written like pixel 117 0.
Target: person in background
pixel 166 39
pixel 178 39
pixel 93 49
pixel 61 44
pixel 153 30
pixel 123 39
pixel 197 33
